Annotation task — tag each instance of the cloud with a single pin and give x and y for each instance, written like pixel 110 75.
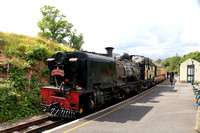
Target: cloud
pixel 156 28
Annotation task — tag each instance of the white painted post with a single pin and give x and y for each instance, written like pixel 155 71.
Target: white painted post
pixel 197 127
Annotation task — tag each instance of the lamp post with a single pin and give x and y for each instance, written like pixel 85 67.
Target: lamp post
pixel 192 59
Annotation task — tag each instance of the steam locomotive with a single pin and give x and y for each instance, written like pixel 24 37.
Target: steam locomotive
pixel 83 81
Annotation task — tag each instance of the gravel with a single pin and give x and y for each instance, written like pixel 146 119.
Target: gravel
pixel 21 121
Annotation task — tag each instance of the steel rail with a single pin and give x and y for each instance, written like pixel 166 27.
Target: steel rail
pixel 46 126
pixel 24 125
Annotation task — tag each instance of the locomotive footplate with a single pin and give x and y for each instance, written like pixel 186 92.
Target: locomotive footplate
pixel 54 111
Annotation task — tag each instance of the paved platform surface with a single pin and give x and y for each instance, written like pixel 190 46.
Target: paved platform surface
pixel 161 109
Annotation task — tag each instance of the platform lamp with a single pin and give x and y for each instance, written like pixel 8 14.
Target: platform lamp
pixel 192 59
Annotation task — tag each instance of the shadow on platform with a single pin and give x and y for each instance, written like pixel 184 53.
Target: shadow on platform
pixel 133 112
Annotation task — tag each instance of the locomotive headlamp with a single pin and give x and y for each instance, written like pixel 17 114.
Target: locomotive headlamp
pixel 60 57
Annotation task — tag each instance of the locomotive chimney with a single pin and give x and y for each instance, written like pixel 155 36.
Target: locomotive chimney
pixel 109 51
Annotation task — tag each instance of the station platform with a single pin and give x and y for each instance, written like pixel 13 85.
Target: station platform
pixel 161 109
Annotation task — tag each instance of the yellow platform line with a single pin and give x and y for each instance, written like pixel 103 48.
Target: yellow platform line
pixel 110 111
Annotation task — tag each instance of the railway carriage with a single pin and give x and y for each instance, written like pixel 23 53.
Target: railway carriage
pixel 160 74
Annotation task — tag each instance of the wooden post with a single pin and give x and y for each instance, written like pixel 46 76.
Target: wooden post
pixel 197 127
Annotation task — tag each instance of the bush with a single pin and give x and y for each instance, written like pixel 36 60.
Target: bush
pixel 22 52
pixel 12 108
pixel 5 86
pixel 32 62
pixel 45 71
pixel 18 101
pixel 6 105
pixel 18 63
pixel 38 52
pixel 21 49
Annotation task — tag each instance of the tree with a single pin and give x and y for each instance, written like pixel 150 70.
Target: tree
pixel 171 63
pixel 76 41
pixel 54 26
pixel 158 61
pixel 195 55
pixel 174 62
pixel 165 62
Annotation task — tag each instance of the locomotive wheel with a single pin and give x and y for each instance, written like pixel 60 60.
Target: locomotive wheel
pixel 88 105
pixel 139 90
pixel 144 86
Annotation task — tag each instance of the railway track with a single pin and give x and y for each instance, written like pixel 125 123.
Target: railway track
pixel 42 124
pixel 36 126
pixel 46 123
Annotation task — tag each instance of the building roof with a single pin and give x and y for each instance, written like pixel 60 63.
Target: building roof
pixel 190 61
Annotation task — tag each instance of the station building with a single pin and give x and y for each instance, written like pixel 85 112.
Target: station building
pixel 190 71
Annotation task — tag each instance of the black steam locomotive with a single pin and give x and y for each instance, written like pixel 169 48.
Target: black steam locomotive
pixel 82 81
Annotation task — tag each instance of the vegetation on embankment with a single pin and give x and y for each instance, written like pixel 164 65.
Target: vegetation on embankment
pixel 173 63
pixel 23 68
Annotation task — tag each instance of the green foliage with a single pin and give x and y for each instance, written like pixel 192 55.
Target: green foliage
pixel 7 102
pixel 54 26
pixel 22 47
pixel 45 72
pixel 196 82
pixel 17 102
pixel 22 53
pixel 5 84
pixel 14 106
pixel 29 49
pixel 76 41
pixel 171 63
pixel 18 63
pixel 158 61
pixel 17 78
pixel 37 52
pixel 195 55
pixel 165 62
pixel 32 61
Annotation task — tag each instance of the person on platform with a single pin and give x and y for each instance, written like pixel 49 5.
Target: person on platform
pixel 171 77
pixel 167 74
pixel 176 73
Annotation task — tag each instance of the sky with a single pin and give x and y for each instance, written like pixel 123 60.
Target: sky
pixel 157 29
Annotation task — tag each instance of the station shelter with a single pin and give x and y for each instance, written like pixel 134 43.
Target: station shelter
pixel 190 71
